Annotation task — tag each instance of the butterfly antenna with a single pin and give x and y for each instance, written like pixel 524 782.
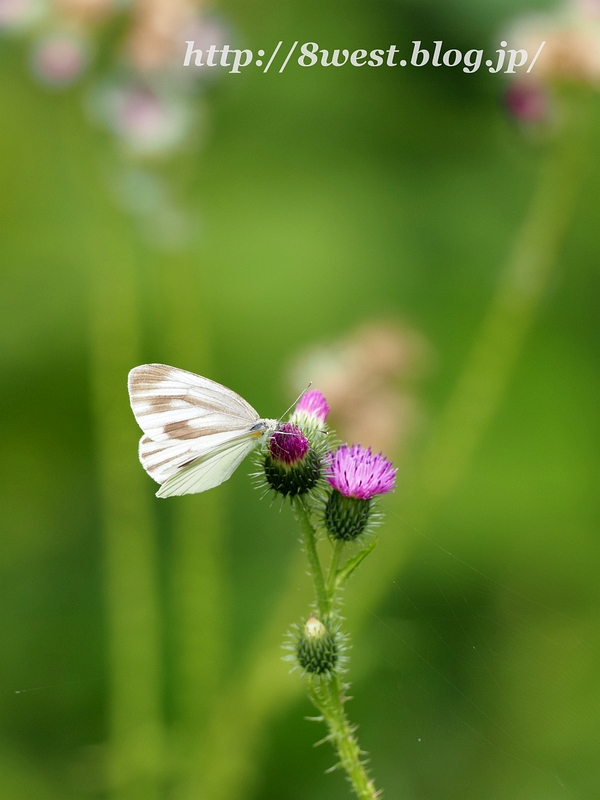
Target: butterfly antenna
pixel 295 401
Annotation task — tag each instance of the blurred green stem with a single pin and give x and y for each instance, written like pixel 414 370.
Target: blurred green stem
pixel 486 374
pixel 105 247
pixel 135 658
pixel 198 582
pixel 488 368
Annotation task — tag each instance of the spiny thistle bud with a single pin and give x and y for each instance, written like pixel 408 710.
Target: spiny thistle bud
pixel 356 476
pixel 291 466
pixel 316 647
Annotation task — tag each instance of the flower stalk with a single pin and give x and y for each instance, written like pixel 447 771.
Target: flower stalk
pixel 343 505
pixel 326 690
pixel 332 577
pixel 329 699
pixel 309 538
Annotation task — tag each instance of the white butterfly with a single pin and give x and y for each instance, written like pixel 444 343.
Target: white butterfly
pixel 196 432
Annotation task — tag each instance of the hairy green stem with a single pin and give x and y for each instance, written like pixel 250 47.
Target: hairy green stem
pixel 333 567
pixel 327 692
pixel 328 697
pixel 310 543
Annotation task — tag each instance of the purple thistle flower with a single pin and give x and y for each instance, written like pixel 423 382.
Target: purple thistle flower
pixel 288 445
pixel 314 406
pixel 291 466
pixel 355 472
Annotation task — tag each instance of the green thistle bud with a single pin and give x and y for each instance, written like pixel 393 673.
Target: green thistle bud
pixel 346 517
pixel 291 466
pixel 316 647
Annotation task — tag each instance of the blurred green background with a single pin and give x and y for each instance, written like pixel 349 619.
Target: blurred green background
pixel 140 638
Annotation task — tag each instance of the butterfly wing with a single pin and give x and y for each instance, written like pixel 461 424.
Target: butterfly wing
pixel 196 430
pixel 209 470
pixel 170 403
pixel 161 460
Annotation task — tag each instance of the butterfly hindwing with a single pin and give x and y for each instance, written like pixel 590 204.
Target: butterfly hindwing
pixel 209 470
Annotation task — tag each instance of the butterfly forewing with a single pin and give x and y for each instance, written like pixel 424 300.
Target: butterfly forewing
pixel 170 403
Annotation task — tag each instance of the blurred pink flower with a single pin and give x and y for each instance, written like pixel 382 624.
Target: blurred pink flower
pixel 360 377
pixel 58 59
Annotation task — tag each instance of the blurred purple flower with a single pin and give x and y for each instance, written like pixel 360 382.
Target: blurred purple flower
pixel 527 101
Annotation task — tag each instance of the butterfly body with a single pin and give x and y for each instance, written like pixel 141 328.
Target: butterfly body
pixel 196 431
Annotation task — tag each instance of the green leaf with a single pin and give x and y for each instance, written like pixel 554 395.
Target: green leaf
pixel 349 567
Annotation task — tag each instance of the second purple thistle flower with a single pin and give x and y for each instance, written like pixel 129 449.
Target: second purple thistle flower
pixel 357 476
pixel 356 472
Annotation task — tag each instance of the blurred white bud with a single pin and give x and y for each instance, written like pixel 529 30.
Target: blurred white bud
pixel 157 42
pixel 588 8
pixel 204 31
pixel 154 39
pixel 149 120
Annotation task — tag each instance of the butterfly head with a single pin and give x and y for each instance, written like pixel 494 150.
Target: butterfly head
pixel 264 428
